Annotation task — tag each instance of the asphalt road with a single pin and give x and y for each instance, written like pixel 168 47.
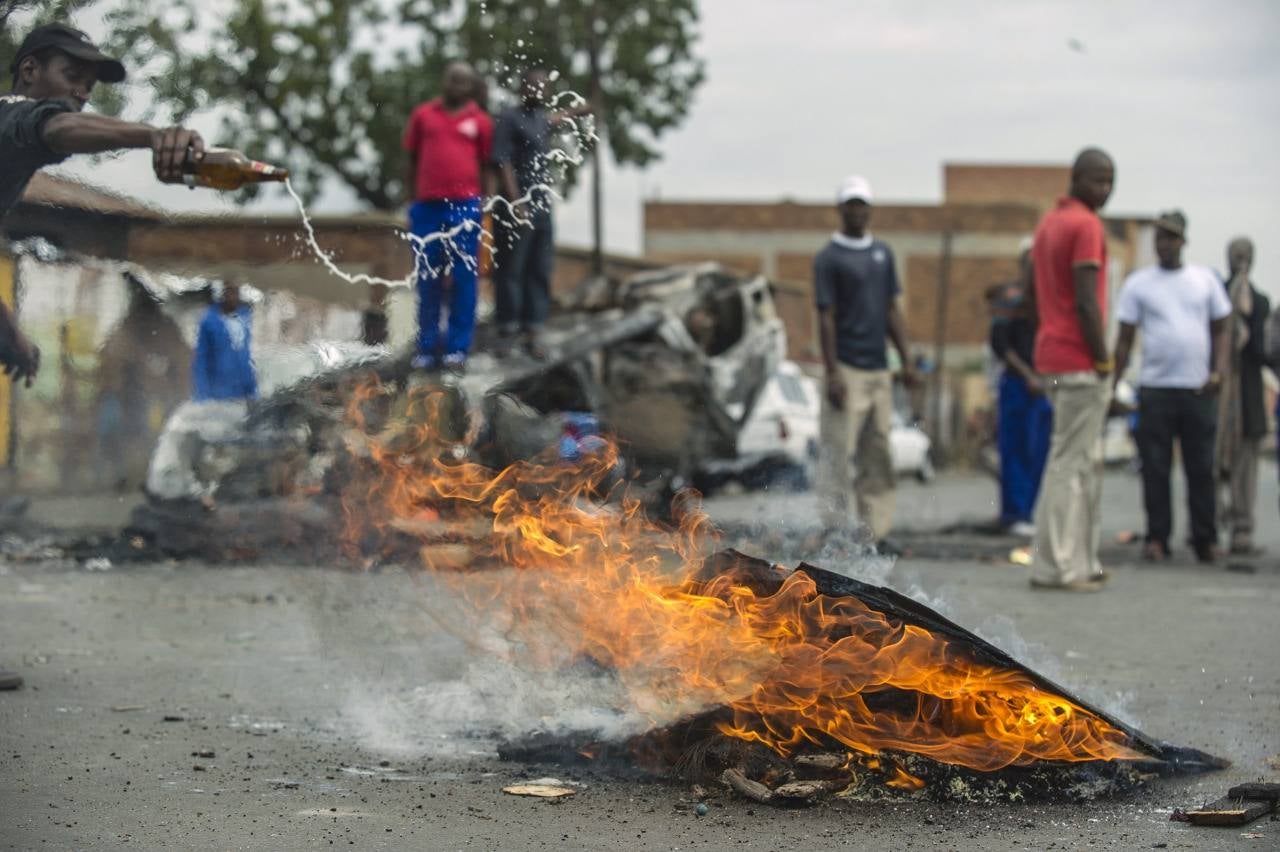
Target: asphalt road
pixel 295 707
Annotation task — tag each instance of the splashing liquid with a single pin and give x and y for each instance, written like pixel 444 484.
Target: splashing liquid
pixel 538 196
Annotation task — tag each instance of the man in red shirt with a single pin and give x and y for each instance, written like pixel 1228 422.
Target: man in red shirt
pixel 1069 256
pixel 448 142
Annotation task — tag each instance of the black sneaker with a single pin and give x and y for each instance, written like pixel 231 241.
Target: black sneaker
pixel 9 680
pixel 1208 554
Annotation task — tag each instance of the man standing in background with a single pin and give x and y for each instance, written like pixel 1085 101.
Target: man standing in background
pixel 1025 420
pixel 1242 413
pixel 447 142
pixel 1069 259
pixel 856 288
pixel 223 381
pixel 1181 311
pixel 524 236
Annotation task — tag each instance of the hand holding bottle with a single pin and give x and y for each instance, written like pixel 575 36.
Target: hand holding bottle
pixel 171 149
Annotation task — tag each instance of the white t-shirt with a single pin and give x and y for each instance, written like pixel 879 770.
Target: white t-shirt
pixel 1172 309
pixel 236 330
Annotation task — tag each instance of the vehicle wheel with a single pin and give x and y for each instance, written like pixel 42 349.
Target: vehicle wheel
pixel 926 473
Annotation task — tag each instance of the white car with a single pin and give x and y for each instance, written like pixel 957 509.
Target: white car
pixel 785 421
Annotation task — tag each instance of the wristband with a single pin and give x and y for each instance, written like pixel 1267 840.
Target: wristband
pixel 1106 366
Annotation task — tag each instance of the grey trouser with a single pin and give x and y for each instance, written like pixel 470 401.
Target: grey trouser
pixel 859 430
pixel 1068 528
pixel 1242 492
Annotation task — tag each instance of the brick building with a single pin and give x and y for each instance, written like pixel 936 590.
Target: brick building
pixel 986 213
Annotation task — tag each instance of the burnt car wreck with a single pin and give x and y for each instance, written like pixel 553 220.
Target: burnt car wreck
pixel 668 363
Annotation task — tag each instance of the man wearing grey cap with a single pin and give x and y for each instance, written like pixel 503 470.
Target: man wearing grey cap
pixel 1181 311
pixel 855 282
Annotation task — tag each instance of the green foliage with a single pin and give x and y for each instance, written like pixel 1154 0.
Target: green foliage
pixel 18 17
pixel 325 86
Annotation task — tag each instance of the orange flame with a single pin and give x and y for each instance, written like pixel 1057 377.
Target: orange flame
pixel 600 580
pixel 903 780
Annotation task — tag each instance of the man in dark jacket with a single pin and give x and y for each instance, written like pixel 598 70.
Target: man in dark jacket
pixel 1242 416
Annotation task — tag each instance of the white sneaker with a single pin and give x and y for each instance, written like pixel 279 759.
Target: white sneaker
pixel 1023 529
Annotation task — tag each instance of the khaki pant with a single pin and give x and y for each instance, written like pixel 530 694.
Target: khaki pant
pixel 1241 493
pixel 858 432
pixel 1068 529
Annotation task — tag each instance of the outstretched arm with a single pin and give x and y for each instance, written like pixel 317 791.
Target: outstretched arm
pixel 1124 346
pixel 90 133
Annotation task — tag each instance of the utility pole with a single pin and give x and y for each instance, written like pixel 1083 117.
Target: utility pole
pixel 597 170
pixel 940 334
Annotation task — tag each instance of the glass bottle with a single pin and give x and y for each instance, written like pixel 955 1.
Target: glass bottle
pixel 225 169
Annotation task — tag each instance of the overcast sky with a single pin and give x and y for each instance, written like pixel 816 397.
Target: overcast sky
pixel 1184 94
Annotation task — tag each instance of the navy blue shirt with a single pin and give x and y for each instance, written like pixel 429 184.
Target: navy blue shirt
pixel 522 138
pixel 1017 334
pixel 22 148
pixel 859 280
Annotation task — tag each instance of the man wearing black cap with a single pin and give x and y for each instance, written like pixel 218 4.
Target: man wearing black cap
pixel 1181 310
pixel 42 123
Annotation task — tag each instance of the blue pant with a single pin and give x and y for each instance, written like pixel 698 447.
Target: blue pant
pixel 456 257
pixel 1025 427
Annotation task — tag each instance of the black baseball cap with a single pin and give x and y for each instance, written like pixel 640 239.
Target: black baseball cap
pixel 72 42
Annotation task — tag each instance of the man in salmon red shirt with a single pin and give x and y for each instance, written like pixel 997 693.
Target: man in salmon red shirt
pixel 1069 257
pixel 448 142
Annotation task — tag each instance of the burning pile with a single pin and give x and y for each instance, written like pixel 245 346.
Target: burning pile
pixel 746 670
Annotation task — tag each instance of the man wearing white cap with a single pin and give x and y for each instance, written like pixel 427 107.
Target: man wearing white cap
pixel 855 282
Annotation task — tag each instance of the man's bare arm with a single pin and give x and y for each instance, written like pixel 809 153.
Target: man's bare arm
pixel 827 339
pixel 898 334
pixel 1218 333
pixel 19 357
pixel 1089 312
pixel 561 116
pixel 1124 347
pixel 510 187
pixel 90 133
pixel 1022 368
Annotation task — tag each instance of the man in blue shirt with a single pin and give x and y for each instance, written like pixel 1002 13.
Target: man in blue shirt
pixel 223 381
pixel 223 368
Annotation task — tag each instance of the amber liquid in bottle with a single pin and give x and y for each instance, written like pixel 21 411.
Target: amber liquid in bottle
pixel 224 169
